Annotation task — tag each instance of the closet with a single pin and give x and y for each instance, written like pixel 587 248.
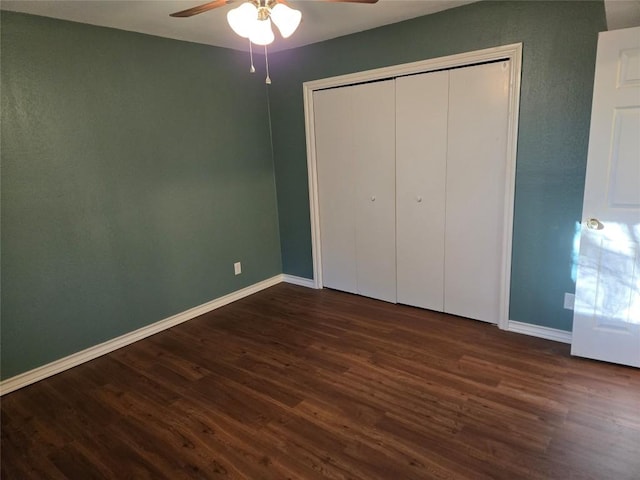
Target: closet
pixel 411 175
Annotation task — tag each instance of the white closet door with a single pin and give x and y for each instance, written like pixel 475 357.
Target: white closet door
pixel 333 118
pixel 373 124
pixel 421 156
pixel 475 190
pixel 355 155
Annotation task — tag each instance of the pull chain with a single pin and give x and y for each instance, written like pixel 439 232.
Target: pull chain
pixel 266 59
pixel 252 69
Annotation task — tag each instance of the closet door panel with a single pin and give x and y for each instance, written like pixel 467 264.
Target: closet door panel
pixel 373 126
pixel 475 190
pixel 333 117
pixel 421 156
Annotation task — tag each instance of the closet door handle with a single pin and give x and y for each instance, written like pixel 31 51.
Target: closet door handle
pixel 373 198
pixel 419 199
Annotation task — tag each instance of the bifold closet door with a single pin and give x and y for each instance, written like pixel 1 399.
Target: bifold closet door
pixel 355 155
pixel 336 192
pixel 475 190
pixel 374 137
pixel 421 158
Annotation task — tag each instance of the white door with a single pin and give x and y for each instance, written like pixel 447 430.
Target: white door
pixel 421 158
pixel 374 143
pixel 606 322
pixel 336 192
pixel 355 155
pixel 475 190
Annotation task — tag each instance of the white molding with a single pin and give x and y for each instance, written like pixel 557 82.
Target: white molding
pixel 40 373
pixel 57 366
pixel 421 66
pixel 510 175
pixel 312 172
pixel 512 52
pixel 540 331
pixel 303 282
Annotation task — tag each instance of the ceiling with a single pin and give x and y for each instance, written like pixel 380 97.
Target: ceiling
pixel 321 20
pixel 622 13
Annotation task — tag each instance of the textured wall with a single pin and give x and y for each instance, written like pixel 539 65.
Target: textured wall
pixel 135 171
pixel 559 44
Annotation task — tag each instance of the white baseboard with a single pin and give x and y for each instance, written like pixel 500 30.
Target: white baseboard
pixel 539 331
pixel 57 366
pixel 303 282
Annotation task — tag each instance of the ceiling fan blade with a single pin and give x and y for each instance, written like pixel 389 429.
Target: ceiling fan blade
pixel 189 12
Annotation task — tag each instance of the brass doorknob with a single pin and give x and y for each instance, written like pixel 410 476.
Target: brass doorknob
pixel 594 224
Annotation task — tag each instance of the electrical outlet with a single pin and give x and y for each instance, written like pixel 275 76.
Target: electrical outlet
pixel 237 268
pixel 569 300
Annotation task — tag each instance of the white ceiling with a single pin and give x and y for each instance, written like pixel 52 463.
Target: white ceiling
pixel 622 13
pixel 321 20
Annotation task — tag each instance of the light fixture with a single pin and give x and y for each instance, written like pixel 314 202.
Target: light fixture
pixel 252 20
pixel 286 19
pixel 262 33
pixel 242 19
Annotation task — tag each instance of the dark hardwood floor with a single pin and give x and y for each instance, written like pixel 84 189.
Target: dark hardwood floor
pixel 293 383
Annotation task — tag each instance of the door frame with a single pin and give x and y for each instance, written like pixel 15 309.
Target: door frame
pixel 512 52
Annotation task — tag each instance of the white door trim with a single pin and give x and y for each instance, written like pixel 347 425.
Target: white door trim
pixel 511 52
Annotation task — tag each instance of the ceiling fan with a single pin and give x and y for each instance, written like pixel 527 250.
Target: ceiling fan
pixel 252 20
pixel 189 12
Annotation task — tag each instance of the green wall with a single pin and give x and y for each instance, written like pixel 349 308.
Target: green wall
pixel 559 45
pixel 135 171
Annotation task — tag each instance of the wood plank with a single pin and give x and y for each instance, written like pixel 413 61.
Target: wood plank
pixel 306 384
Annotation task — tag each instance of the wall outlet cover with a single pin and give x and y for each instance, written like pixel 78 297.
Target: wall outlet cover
pixel 569 300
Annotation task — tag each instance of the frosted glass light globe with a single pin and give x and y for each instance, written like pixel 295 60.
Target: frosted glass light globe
pixel 286 19
pixel 262 33
pixel 242 20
